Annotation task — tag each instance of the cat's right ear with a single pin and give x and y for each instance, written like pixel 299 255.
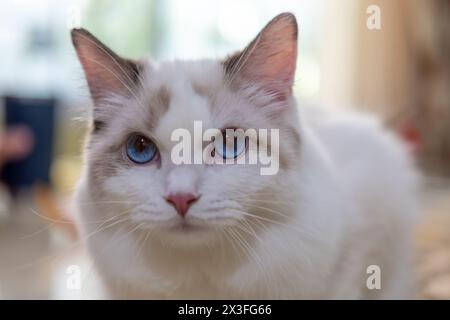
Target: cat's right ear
pixel 269 60
pixel 106 72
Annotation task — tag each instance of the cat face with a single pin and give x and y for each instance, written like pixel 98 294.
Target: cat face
pixel 130 172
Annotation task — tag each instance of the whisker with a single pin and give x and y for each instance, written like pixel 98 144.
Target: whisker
pixel 270 210
pixel 245 213
pixel 74 245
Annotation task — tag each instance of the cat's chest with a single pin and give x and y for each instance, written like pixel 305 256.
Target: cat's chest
pixel 199 284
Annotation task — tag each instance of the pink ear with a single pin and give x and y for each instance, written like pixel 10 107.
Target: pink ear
pixel 270 59
pixel 105 71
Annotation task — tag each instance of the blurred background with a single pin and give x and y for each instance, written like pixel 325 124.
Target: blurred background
pixel 396 66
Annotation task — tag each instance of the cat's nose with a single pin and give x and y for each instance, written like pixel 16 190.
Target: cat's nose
pixel 181 201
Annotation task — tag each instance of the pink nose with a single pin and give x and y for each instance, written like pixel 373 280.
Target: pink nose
pixel 181 201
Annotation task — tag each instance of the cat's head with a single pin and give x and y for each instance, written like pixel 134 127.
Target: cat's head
pixel 131 175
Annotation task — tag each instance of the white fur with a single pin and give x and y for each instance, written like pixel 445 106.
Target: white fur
pixel 347 203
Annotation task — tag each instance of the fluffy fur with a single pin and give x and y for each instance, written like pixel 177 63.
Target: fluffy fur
pixel 343 199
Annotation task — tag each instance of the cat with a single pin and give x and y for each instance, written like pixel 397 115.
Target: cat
pixel 342 201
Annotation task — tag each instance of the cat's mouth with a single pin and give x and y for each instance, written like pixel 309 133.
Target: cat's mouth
pixel 175 224
pixel 188 224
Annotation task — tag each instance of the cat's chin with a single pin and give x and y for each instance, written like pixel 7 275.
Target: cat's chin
pixel 188 233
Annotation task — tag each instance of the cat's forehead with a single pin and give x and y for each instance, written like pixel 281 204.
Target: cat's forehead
pixel 181 77
pixel 174 95
pixel 185 91
pixel 190 86
pixel 179 94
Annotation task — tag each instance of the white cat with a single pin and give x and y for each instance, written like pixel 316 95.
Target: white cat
pixel 342 200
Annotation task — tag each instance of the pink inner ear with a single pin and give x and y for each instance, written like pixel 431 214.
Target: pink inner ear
pixel 102 71
pixel 276 71
pixel 105 71
pixel 270 59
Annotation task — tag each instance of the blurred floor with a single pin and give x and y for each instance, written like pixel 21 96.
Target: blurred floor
pixel 35 259
pixel 433 243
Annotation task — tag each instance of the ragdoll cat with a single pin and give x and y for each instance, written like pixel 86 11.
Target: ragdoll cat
pixel 342 200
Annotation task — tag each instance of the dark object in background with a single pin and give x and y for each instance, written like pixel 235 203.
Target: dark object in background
pixel 38 115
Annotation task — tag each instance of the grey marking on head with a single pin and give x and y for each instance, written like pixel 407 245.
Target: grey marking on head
pixel 159 103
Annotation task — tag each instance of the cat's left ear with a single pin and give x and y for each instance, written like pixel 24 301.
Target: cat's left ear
pixel 106 72
pixel 269 60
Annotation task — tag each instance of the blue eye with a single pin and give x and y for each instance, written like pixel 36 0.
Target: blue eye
pixel 230 146
pixel 140 149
